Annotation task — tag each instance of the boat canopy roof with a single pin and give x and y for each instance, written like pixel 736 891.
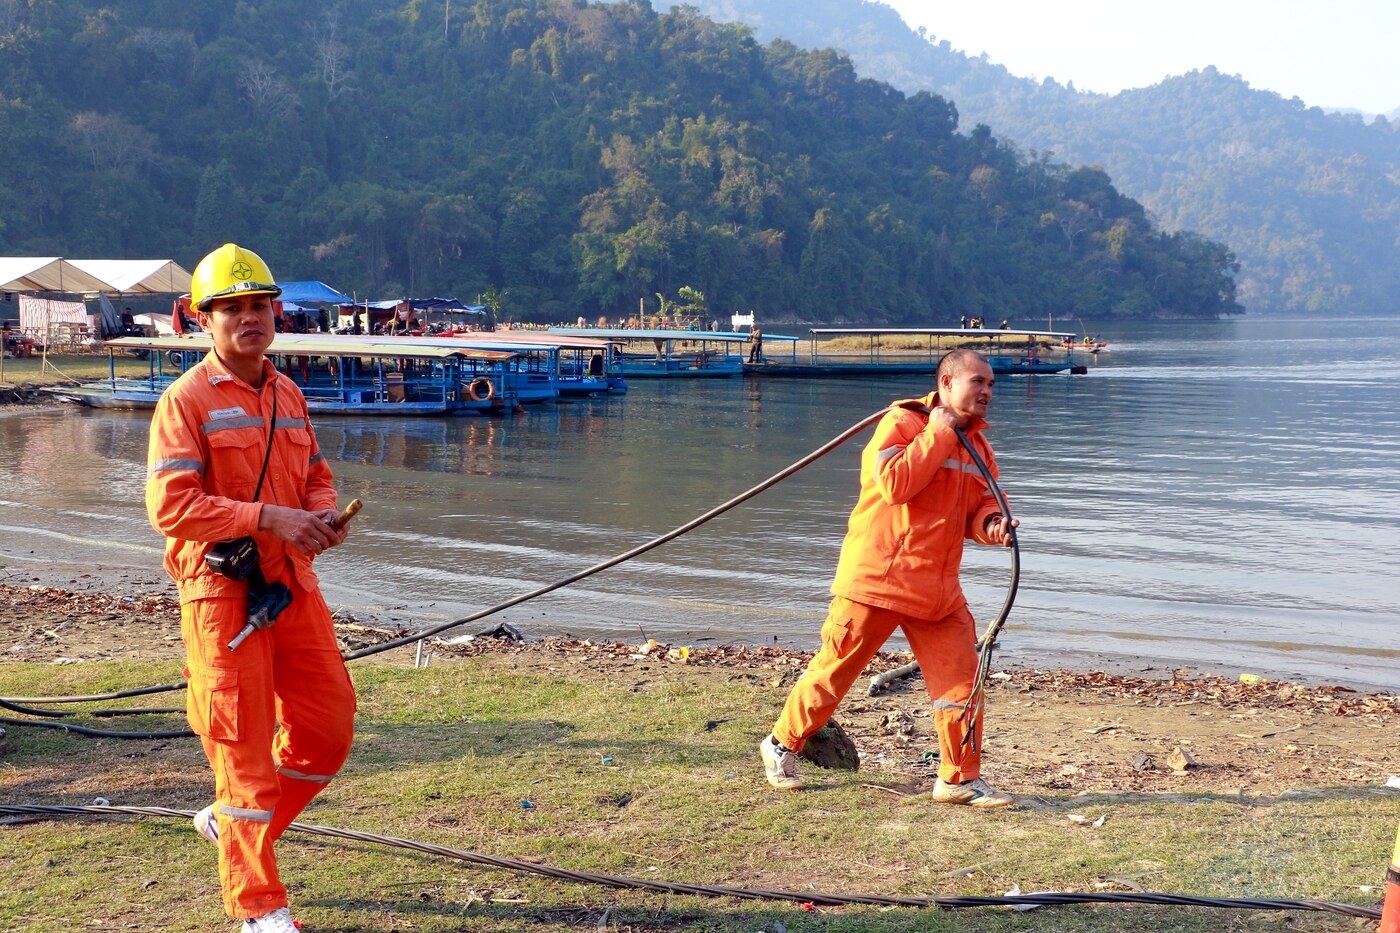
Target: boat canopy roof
pixel 622 333
pixel 988 332
pixel 766 335
pixel 486 340
pixel 325 345
pixel 532 339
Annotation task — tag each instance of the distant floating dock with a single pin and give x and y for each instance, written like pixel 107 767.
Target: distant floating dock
pixel 1019 352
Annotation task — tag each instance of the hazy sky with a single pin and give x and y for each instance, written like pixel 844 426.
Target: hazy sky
pixel 1329 53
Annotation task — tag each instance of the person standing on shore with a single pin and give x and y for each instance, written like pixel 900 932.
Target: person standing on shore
pixel 921 495
pixel 232 458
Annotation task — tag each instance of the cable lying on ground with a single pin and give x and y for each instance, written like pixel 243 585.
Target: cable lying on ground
pixel 437 630
pixel 1024 901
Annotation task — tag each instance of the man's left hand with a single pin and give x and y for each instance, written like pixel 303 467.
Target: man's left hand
pixel 998 532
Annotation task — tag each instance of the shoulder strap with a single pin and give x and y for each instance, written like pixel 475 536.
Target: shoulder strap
pixel 271 425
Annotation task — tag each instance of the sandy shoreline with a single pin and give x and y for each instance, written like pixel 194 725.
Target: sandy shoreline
pixel 137 574
pixel 1049 728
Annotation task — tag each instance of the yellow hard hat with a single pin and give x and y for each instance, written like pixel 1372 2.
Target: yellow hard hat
pixel 230 270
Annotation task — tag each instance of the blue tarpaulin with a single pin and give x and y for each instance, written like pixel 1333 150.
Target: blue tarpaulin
pixel 313 293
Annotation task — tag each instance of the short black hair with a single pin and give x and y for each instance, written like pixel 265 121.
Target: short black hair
pixel 954 362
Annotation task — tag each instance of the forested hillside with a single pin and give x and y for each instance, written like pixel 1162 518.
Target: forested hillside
pixel 1308 201
pixel 575 158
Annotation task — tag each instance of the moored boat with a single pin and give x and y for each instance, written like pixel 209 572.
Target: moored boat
pixel 668 354
pixel 337 376
pixel 587 366
pixel 1086 344
pixel 1009 351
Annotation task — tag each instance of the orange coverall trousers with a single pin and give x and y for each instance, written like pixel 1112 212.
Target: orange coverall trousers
pixel 946 650
pixel 289 675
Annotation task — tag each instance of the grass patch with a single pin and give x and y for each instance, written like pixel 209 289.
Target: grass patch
pixel 622 776
pixel 69 367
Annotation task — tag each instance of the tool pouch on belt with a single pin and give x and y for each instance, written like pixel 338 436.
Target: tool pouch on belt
pixel 236 559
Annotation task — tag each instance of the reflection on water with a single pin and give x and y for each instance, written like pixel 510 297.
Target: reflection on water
pixel 1213 495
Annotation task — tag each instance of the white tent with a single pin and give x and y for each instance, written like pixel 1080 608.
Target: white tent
pixel 48 274
pixel 136 276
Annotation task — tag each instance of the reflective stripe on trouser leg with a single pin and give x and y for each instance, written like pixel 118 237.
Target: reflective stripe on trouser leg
pixel 851 635
pixel 230 706
pixel 315 705
pixel 946 650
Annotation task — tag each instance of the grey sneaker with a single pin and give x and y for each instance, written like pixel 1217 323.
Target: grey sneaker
pixel 779 764
pixel 207 825
pixel 279 921
pixel 973 793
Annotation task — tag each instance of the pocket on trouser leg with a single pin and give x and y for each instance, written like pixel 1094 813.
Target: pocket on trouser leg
pixel 212 704
pixel 836 635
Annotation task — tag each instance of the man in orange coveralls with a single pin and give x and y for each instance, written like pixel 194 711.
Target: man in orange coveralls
pixel 232 454
pixel 920 496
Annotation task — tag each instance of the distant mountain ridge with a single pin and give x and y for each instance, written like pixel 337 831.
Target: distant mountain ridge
pixel 1309 201
pixel 562 157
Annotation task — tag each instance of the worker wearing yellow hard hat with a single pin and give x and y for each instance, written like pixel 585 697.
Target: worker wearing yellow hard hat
pixel 230 270
pixel 234 473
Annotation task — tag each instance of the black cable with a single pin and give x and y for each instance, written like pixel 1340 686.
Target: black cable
pixel 96 733
pixel 95 697
pixel 636 551
pixel 101 713
pixel 984 661
pixel 513 601
pixel 807 897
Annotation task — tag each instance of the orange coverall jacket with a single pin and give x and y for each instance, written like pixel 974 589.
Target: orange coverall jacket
pixel 208 440
pixel 920 497
pixel 275 717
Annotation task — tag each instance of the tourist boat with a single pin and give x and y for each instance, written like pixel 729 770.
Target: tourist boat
pixel 530 375
pixel 587 366
pixel 1007 350
pixel 340 376
pixel 544 366
pixel 669 354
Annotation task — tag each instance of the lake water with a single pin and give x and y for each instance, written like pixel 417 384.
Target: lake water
pixel 1220 496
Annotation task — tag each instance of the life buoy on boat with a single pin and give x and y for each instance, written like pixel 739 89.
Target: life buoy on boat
pixel 481 389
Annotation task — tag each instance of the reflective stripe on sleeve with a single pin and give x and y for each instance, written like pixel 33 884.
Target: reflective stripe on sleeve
pixel 161 466
pixel 316 458
pixel 889 452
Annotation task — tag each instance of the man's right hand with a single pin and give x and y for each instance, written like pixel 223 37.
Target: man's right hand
pixel 946 417
pixel 308 532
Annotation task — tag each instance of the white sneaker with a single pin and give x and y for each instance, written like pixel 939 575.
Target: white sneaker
pixel 973 793
pixel 779 764
pixel 279 921
pixel 207 825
